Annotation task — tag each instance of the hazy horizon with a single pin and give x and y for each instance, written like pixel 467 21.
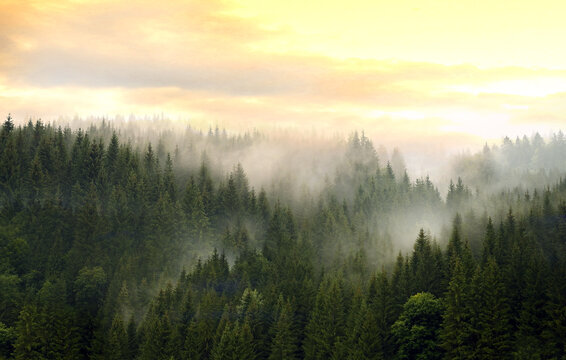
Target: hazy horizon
pixel 441 75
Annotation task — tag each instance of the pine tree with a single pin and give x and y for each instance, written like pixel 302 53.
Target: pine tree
pixel 88 227
pixel 489 242
pixel 245 346
pixel 132 346
pixel 117 343
pixel 57 333
pixel 554 332
pixel 457 335
pixel 225 347
pixel 400 283
pixel 28 344
pixel 490 318
pixel 206 187
pixel 326 325
pixel 11 173
pixel 36 180
pixel 455 244
pixel 376 337
pixel 111 155
pixel 199 220
pixel 530 323
pixel 157 335
pixel 7 340
pixel 201 332
pixel 352 345
pixel 284 343
pixel 6 131
pixel 251 311
pixel 169 185
pixel 422 265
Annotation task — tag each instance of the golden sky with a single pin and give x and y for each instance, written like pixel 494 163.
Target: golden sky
pixel 441 71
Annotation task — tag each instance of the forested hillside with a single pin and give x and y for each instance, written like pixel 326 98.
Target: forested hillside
pixel 116 244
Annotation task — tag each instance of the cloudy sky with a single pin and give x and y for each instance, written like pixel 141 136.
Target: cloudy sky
pixel 431 71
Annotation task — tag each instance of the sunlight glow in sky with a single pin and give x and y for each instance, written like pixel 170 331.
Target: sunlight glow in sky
pixel 452 72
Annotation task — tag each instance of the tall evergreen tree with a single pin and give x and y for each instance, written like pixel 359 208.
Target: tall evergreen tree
pixel 422 265
pixel 117 343
pixel 326 326
pixel 284 343
pixel 490 318
pixel 457 335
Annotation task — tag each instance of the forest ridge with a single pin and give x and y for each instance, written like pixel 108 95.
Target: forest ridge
pixel 115 244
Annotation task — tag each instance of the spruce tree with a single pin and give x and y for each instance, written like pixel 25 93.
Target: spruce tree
pixel 422 265
pixel 376 336
pixel 489 243
pixel 117 343
pixel 284 343
pixel 457 334
pixel 490 319
pixel 327 321
pixel 28 343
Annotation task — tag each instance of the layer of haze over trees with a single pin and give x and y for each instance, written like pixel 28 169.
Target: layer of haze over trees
pixel 121 241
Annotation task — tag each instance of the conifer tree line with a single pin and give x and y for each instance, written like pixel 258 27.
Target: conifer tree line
pixel 116 248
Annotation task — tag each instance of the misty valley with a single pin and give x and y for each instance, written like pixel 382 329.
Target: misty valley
pixel 156 240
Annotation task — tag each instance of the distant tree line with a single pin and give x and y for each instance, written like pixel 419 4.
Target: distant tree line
pixel 525 161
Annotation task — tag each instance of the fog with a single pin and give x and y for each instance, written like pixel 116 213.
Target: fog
pixel 385 195
pixel 138 201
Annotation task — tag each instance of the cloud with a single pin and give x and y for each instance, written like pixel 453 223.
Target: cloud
pixel 194 45
pixel 213 63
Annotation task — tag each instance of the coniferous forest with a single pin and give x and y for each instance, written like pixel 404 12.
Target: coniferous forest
pixel 123 243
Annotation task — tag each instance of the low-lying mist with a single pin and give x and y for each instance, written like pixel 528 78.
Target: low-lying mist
pixel 370 196
pixel 304 170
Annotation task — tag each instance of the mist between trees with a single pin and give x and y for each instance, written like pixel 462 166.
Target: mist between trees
pixel 152 240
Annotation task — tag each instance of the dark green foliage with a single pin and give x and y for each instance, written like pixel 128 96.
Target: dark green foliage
pixel 94 226
pixel 457 194
pixel 28 344
pixel 381 314
pixel 490 317
pixel 555 321
pixel 354 345
pixel 489 243
pixel 47 330
pixel 117 343
pixel 132 344
pixel 401 283
pixel 284 343
pixel 326 329
pixel 7 340
pixel 416 330
pixel 236 342
pixel 457 334
pixel 89 287
pixel 425 267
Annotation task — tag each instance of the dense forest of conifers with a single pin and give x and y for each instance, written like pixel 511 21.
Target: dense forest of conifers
pixel 114 247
